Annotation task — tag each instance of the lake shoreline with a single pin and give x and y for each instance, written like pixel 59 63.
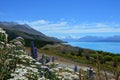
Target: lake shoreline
pixel 110 47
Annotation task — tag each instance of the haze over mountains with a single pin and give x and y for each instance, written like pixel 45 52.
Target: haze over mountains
pixel 115 38
pixel 14 29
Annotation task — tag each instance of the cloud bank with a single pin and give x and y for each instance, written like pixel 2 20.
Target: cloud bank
pixel 62 28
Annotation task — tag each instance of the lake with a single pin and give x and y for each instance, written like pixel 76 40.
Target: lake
pixel 113 47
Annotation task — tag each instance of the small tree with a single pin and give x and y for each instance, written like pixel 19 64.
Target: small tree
pixel 72 53
pixel 80 52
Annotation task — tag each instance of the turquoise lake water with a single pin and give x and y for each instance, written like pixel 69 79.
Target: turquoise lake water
pixel 113 47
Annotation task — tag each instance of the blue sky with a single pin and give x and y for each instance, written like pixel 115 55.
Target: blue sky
pixel 62 18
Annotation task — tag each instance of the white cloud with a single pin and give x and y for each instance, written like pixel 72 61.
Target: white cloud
pixel 39 22
pixel 47 26
pixel 63 27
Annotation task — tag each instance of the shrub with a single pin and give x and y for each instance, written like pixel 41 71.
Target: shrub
pixel 72 53
pixel 116 59
pixel 8 54
pixel 94 56
pixel 108 58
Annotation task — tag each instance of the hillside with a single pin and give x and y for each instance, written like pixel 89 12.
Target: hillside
pixel 29 34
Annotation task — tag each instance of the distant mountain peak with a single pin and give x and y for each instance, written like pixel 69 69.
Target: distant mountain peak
pixel 10 24
pixel 115 38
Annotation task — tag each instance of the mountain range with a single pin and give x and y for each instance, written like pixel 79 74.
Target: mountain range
pixel 115 38
pixel 29 34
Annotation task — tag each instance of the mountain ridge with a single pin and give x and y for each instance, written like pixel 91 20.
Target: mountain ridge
pixel 115 38
pixel 14 29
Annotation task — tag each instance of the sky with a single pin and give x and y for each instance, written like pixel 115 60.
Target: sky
pixel 65 18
